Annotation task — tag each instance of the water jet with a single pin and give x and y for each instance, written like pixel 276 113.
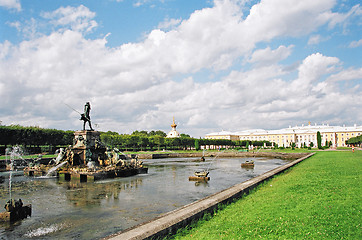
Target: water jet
pixel 15 210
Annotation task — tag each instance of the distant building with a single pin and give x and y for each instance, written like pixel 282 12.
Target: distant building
pixel 223 135
pixel 173 133
pixel 300 135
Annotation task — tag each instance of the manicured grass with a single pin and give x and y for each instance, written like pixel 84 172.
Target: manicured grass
pixel 289 150
pixel 320 198
pixel 30 156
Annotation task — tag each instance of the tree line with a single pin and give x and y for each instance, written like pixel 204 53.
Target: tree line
pixel 143 140
pixel 33 137
pixel 36 139
pixel 355 141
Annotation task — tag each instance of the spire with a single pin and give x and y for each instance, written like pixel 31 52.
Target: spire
pixel 173 133
pixel 173 125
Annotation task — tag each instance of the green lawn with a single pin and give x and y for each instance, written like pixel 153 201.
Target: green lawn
pixel 319 198
pixel 3 157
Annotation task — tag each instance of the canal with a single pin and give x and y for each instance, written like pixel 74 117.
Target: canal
pixel 73 210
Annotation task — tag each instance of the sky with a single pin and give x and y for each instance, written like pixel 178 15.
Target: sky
pixel 215 65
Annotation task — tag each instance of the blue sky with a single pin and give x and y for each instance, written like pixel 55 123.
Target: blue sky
pixel 127 21
pixel 213 65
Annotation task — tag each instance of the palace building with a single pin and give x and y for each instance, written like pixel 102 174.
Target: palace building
pixel 300 135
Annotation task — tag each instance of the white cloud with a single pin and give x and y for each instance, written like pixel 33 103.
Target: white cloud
pixel 340 18
pixel 139 3
pixel 169 23
pixel 315 39
pixel 269 19
pixel 78 18
pixel 268 56
pixel 11 4
pixel 29 29
pixel 314 66
pixel 5 49
pixel 134 86
pixel 346 75
pixel 355 44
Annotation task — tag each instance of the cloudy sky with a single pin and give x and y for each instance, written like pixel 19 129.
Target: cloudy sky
pixel 213 65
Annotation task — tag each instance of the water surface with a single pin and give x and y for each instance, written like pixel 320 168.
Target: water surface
pixel 73 210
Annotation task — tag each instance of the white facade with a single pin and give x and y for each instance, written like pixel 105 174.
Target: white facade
pixel 300 135
pixel 173 133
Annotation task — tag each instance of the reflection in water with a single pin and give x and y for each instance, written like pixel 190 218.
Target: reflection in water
pixel 202 183
pixel 89 194
pixel 69 210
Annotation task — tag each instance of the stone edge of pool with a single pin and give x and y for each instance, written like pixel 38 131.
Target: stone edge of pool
pixel 289 156
pixel 168 223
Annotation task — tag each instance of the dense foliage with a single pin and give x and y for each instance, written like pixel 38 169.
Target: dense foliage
pixel 138 140
pixel 355 141
pixel 143 140
pixel 33 136
pixel 15 134
pixel 319 140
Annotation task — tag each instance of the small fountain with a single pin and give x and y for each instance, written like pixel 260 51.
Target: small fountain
pixel 53 169
pixel 248 164
pixel 88 159
pixel 203 156
pixel 204 174
pixel 60 156
pixel 200 176
pixel 15 210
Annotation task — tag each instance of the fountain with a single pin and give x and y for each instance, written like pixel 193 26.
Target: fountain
pixel 203 175
pixel 88 159
pixel 15 210
pixel 53 169
pixel 248 164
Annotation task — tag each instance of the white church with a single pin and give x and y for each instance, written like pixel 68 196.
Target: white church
pixel 173 133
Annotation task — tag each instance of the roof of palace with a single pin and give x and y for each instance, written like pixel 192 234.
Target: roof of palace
pixel 311 129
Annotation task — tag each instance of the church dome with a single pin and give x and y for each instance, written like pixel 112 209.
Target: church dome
pixel 173 133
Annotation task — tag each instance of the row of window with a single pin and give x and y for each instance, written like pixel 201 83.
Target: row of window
pixel 298 138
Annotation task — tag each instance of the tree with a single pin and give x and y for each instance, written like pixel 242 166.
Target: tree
pixel 186 142
pixel 319 140
pixel 143 141
pixel 68 138
pixel 197 146
pixel 108 138
pixel 184 135
pixel 355 140
pixel 173 143
pixel 293 145
pixel 158 132
pixel 158 140
pixel 140 133
pixel 134 140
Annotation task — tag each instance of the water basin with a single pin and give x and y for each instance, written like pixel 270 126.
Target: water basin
pixel 77 210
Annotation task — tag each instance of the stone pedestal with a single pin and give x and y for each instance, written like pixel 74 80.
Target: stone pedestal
pixel 87 147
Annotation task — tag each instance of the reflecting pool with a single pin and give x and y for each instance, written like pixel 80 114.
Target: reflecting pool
pixel 73 210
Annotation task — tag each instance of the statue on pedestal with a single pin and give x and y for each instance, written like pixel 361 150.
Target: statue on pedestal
pixel 86 117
